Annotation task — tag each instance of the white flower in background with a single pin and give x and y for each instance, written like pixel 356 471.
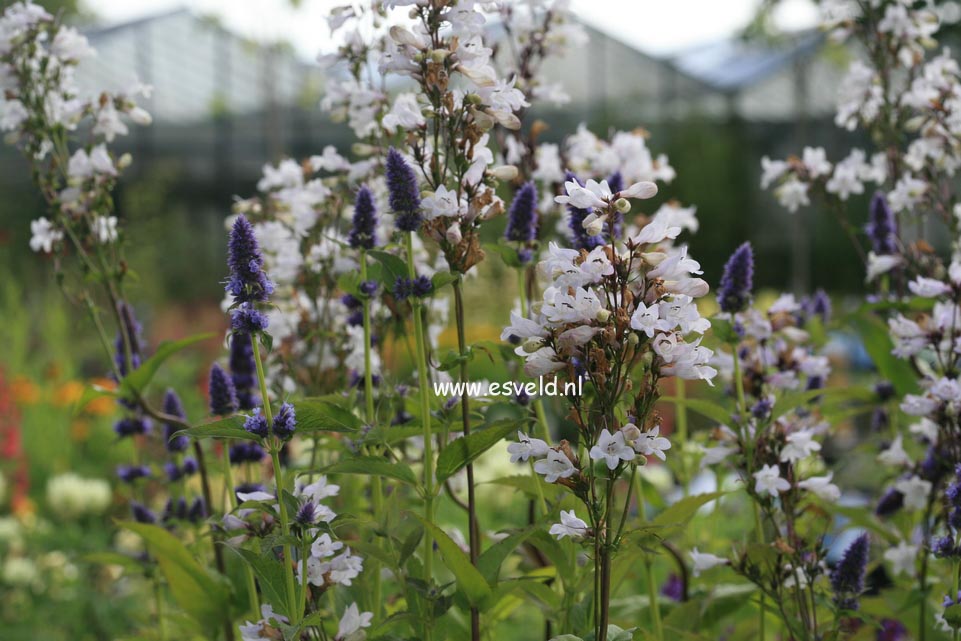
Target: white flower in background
pixel 570 526
pixel 928 287
pixel 555 466
pixel 526 447
pixel 771 170
pixel 821 487
pixel 650 443
pixel 612 448
pixel 881 264
pixel 793 194
pixel 902 558
pixel 352 623
pixel 43 235
pixel 768 480
pixel 71 496
pixel 800 445
pixel 915 490
pixel 895 455
pixel 19 571
pixel 104 229
pixel 704 561
pixel 258 631
pixel 816 162
pixel 547 157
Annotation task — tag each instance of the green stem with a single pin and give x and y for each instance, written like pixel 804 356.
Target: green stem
pixel 370 418
pixel 680 392
pixel 254 601
pixel 295 616
pixel 423 384
pixel 652 598
pixel 472 526
pixel 161 618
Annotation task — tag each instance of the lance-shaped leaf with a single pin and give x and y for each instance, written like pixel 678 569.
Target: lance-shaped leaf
pixel 465 449
pixel 469 580
pixel 136 381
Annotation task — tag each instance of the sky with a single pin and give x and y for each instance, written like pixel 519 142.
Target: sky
pixel 656 26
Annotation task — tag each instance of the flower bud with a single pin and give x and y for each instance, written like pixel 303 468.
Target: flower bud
pixel 362 149
pixel 124 161
pixel 439 55
pixel 603 315
pixel 622 205
pixel 504 172
pixel 631 432
pixel 532 344
pixel 453 234
pixel 633 339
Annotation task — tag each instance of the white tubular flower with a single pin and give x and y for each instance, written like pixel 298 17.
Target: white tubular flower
pixel 651 443
pixel 915 490
pixel 640 190
pixel 704 561
pixel 612 448
pixel 821 487
pixel 526 447
pixel 570 526
pixel 352 623
pixel 44 234
pixel 768 480
pixel 555 466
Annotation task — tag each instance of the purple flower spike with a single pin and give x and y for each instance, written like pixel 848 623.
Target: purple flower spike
pixel 737 281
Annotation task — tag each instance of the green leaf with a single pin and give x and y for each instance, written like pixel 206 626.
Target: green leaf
pixel 321 414
pixel 507 253
pixel 679 514
pixel 703 407
pixel 442 279
pixel 230 427
pixel 270 576
pixel 90 394
pixel 135 382
pixel 349 283
pixel 877 342
pixel 465 449
pixel 490 561
pixel 469 580
pixel 199 594
pixel 373 466
pixel 453 359
pixel 394 266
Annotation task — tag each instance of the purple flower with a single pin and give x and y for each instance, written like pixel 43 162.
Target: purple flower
pixel 820 305
pixel 350 302
pixel 522 216
pixel 737 281
pixel 173 407
pixel 190 466
pixel 198 510
pixel 891 501
pixel 285 422
pixel 142 514
pixel 362 234
pixel 131 426
pixel 173 471
pixel 245 452
pixel 403 288
pixel 368 287
pixel 673 588
pixel 247 282
pixel 223 397
pixel 403 195
pixel 131 473
pixel 247 319
pixel 133 331
pixel 422 286
pixel 243 370
pixel 881 227
pixel 762 409
pixel 892 630
pixel 307 514
pixel 847 577
pixel 943 547
pixel 256 424
pixel 579 236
